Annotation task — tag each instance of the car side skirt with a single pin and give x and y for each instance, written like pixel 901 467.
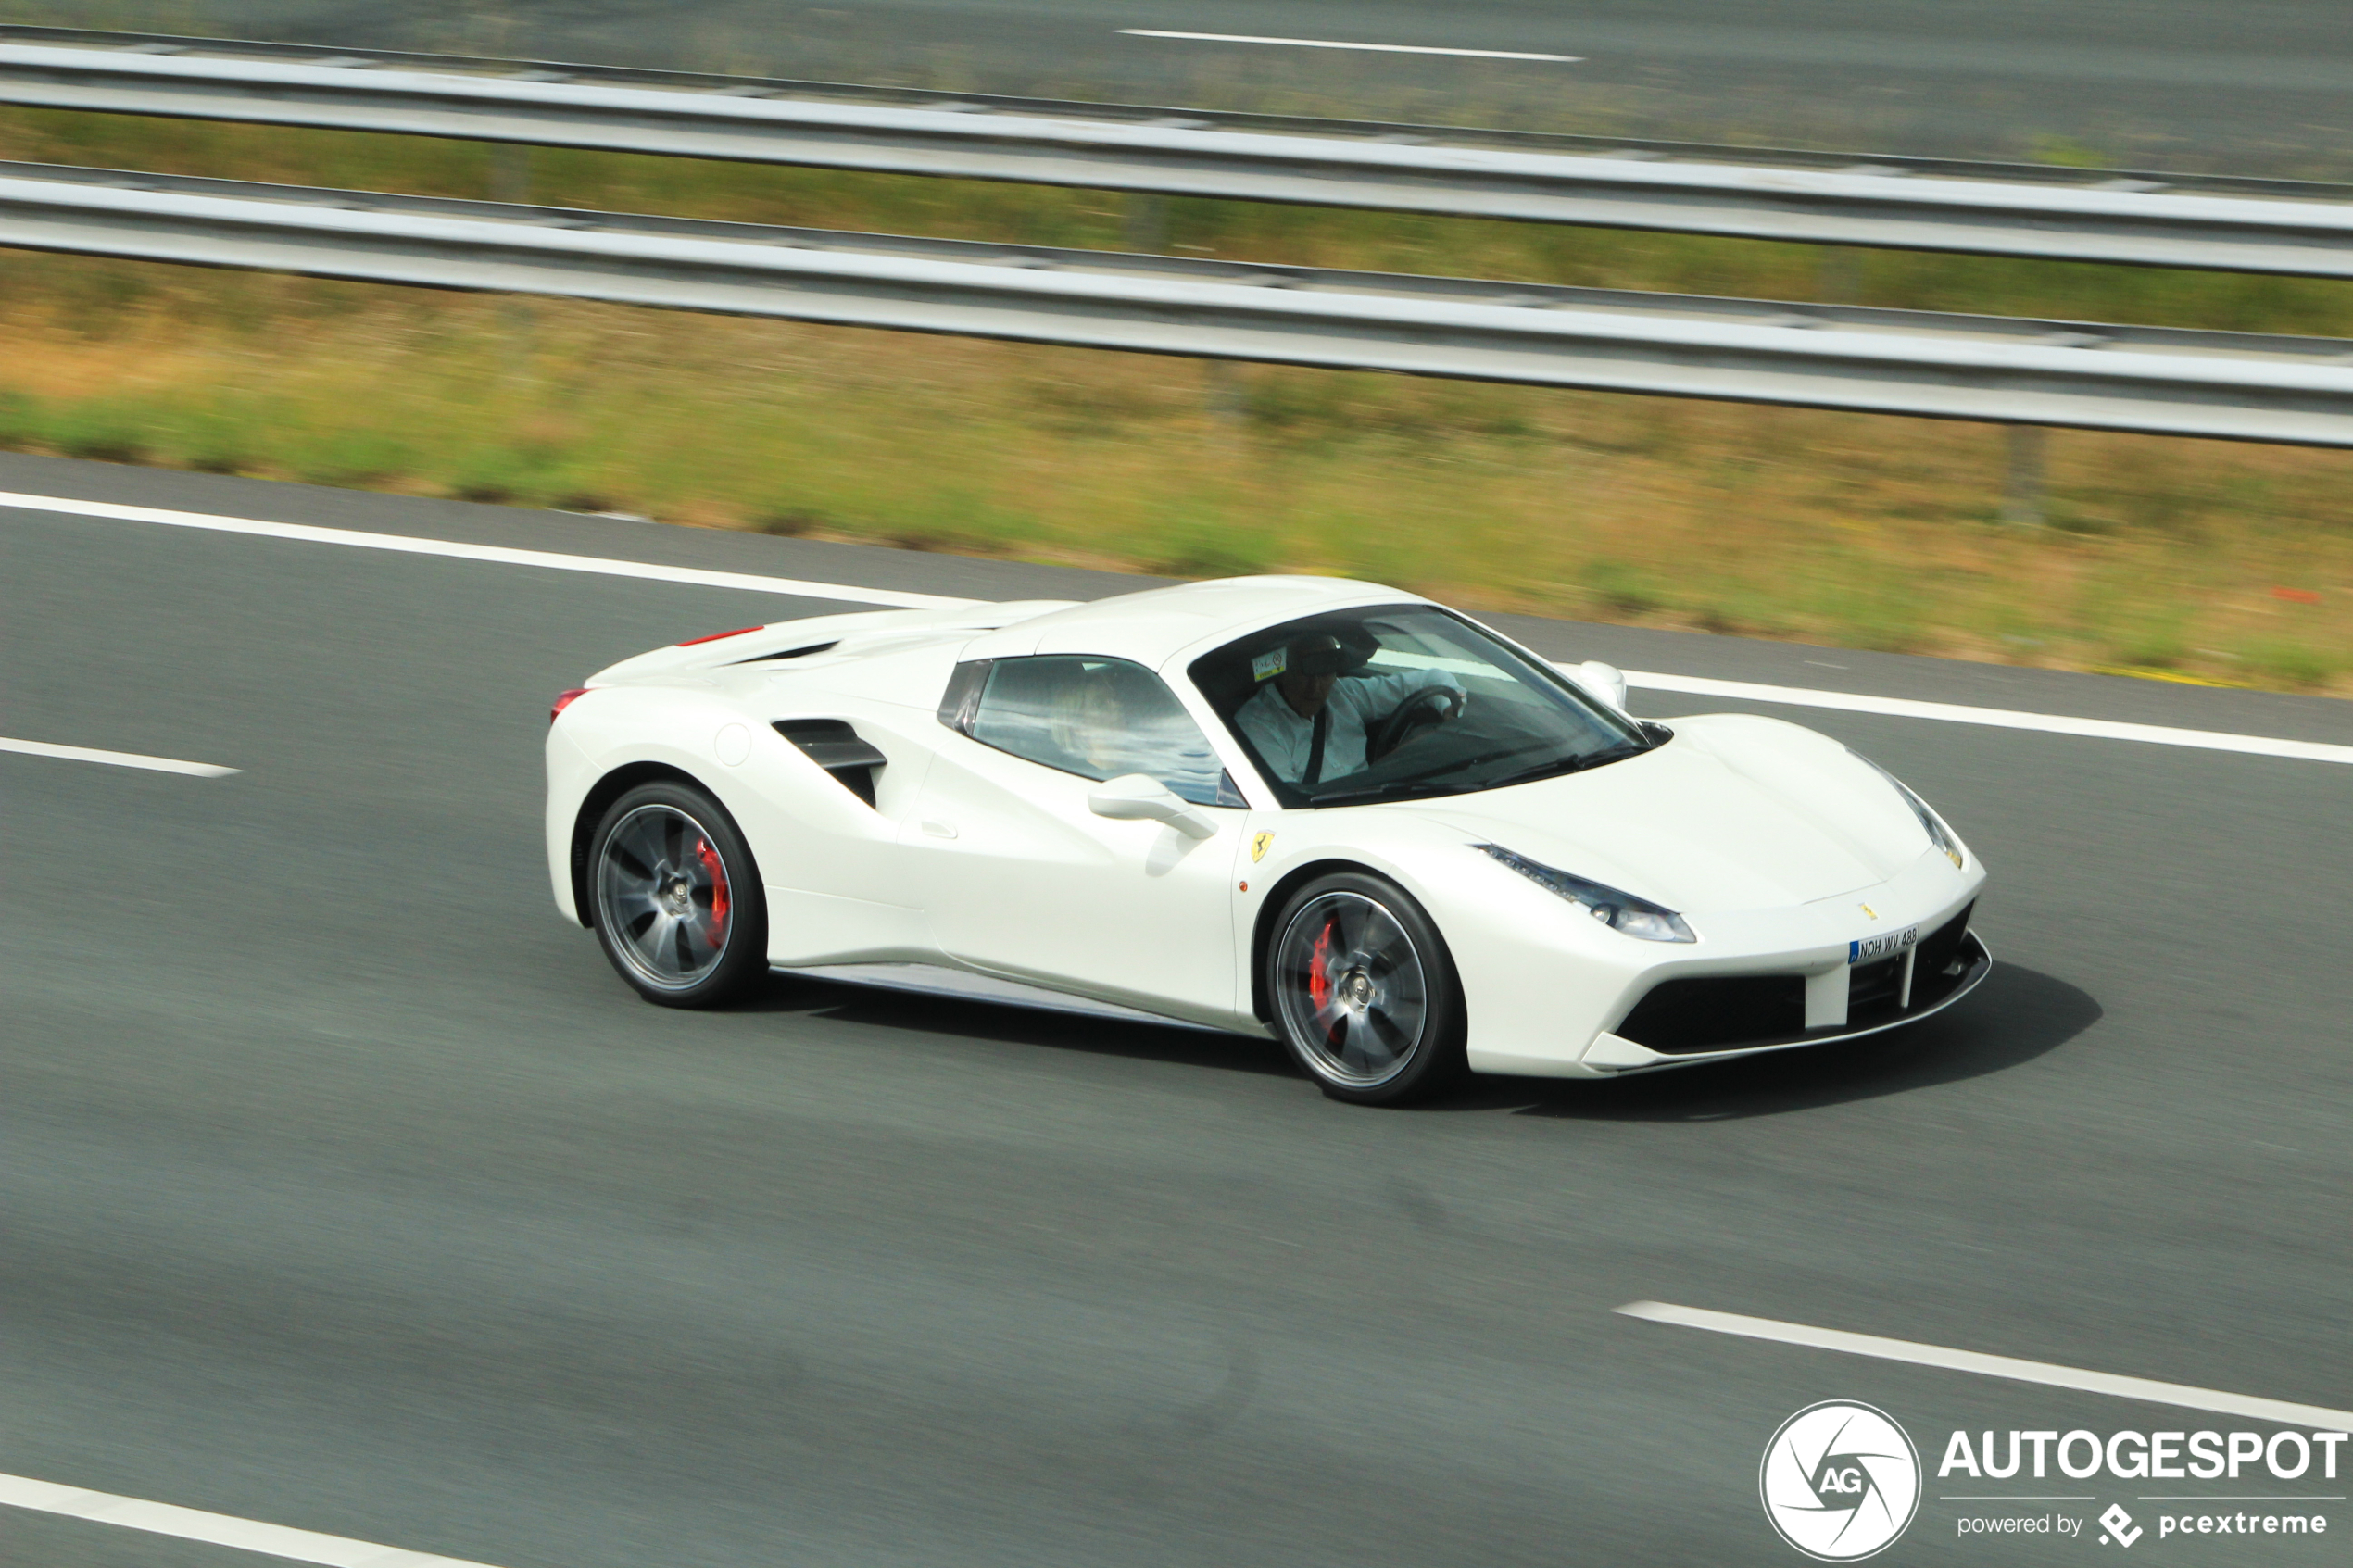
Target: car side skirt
pixel 939 980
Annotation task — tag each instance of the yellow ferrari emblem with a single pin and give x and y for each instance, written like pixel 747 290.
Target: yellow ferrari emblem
pixel 1868 910
pixel 1258 846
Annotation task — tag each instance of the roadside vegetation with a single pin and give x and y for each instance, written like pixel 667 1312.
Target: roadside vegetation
pixel 2175 559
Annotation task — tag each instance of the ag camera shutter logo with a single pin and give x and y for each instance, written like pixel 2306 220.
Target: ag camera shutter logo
pixel 1840 1481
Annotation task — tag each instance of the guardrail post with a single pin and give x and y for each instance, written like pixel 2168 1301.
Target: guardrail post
pixel 510 181
pixel 1147 222
pixel 510 172
pixel 2022 490
pixel 1839 277
pixel 1227 398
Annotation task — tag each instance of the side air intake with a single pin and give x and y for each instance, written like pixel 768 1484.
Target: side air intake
pixel 835 746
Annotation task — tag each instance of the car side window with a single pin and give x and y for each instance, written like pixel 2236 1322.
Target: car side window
pixel 1097 718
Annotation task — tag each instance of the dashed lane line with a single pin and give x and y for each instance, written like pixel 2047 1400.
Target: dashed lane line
pixel 1998 718
pixel 2148 1390
pixel 1747 691
pixel 1337 43
pixel 216 1529
pixel 116 758
pixel 497 555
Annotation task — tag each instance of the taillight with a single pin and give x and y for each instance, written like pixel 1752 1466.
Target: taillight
pixel 564 701
pixel 716 635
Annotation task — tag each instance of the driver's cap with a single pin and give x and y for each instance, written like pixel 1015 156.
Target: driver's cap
pixel 1321 655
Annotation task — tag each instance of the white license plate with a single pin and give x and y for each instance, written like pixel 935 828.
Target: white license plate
pixel 1872 949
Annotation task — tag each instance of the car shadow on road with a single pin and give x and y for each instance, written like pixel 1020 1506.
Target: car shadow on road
pixel 2017 1014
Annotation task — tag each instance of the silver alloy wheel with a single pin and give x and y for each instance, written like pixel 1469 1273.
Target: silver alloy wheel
pixel 662 894
pixel 1351 989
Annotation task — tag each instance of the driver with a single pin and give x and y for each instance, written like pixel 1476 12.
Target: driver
pixel 1309 722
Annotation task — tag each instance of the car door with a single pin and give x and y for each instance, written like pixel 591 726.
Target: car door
pixel 1021 878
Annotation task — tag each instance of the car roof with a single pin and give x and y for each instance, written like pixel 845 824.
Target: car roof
pixel 1150 626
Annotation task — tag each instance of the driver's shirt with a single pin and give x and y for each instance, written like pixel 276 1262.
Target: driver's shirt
pixel 1284 739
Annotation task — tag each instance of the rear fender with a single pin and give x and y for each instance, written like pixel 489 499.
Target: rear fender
pixel 808 832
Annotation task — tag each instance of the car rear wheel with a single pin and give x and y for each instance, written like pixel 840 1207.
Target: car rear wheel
pixel 1363 991
pixel 676 897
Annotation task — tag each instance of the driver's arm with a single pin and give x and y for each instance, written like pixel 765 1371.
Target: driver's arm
pixel 1383 694
pixel 1360 702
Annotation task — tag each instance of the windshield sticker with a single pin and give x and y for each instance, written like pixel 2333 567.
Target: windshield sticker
pixel 1266 666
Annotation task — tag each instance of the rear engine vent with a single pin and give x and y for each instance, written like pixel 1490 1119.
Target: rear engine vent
pixel 1680 1017
pixel 793 653
pixel 835 746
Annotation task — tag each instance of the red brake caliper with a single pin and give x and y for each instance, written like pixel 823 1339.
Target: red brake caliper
pixel 718 875
pixel 1320 989
pixel 1319 978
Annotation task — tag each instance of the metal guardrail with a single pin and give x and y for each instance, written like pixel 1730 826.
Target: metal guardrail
pixel 1226 119
pixel 2144 379
pixel 2004 210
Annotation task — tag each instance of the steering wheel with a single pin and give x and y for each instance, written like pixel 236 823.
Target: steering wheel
pixel 1431 705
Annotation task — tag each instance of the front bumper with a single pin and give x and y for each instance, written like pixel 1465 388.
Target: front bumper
pixel 1695 1026
pixel 1550 997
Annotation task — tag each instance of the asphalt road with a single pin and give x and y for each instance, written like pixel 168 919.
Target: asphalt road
pixel 342 1185
pixel 2256 87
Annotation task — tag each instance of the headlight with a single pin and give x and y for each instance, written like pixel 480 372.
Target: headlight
pixel 1620 911
pixel 1938 834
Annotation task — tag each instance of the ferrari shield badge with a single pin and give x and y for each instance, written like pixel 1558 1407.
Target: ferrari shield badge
pixel 1258 846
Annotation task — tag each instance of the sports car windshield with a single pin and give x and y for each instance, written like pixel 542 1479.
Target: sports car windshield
pixel 1403 702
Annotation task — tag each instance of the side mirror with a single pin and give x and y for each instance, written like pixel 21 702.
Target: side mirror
pixel 1604 681
pixel 1139 797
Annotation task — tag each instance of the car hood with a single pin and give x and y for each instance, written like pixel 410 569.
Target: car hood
pixel 1736 812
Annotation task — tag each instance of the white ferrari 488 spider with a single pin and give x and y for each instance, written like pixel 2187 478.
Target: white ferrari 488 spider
pixel 1331 813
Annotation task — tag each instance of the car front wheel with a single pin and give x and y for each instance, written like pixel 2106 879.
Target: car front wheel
pixel 677 902
pixel 1363 991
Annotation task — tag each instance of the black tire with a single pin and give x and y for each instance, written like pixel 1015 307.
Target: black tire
pixel 1360 990
pixel 675 898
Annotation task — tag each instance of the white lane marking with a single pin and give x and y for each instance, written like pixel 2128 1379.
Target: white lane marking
pixel 216 1529
pixel 1335 44
pixel 1999 718
pixel 116 758
pixel 2281 1411
pixel 1904 707
pixel 498 554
